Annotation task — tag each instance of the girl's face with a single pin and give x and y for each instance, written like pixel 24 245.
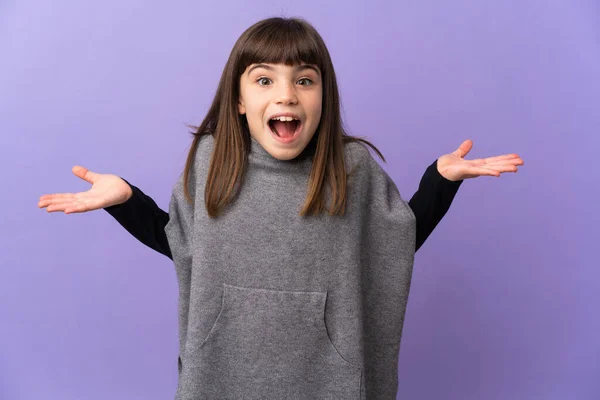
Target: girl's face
pixel 282 105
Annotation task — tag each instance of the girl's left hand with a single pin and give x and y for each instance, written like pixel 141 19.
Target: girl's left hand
pixel 454 167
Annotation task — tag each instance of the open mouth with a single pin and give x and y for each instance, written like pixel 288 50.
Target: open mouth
pixel 285 128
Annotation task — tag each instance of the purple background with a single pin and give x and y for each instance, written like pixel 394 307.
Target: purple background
pixel 505 292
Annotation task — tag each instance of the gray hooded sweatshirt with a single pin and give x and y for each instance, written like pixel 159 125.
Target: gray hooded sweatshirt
pixel 278 306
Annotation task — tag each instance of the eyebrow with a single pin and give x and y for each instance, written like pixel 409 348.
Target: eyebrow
pixel 297 69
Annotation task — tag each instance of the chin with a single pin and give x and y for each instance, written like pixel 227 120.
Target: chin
pixel 285 154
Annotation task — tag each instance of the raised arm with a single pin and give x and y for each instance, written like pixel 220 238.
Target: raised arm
pixel 442 179
pixel 135 211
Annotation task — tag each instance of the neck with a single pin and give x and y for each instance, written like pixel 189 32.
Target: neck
pixel 258 153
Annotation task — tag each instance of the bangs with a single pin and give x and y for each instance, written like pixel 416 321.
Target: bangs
pixel 281 42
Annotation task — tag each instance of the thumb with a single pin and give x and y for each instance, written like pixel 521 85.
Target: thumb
pixel 85 174
pixel 464 148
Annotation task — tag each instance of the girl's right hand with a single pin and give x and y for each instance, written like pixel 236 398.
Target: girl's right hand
pixel 107 190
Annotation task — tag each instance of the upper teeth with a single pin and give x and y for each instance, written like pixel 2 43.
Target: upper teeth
pixel 285 118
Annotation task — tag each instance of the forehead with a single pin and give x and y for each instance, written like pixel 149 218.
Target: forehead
pixel 282 68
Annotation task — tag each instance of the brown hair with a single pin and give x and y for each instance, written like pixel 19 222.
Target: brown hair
pixel 289 41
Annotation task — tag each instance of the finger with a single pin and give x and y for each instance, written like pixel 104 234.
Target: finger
pixel 464 148
pixel 65 198
pixel 507 161
pixel 502 157
pixel 55 200
pixel 480 171
pixel 502 168
pixel 85 174
pixel 58 207
pixel 55 196
pixel 69 207
pixel 513 162
pixel 496 159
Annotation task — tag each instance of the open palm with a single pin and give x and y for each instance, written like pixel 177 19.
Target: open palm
pixel 454 167
pixel 106 190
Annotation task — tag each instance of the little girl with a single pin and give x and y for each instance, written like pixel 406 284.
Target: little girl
pixel 293 248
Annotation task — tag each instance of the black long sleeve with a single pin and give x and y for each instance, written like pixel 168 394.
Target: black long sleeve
pixel 144 219
pixel 431 201
pixel 141 217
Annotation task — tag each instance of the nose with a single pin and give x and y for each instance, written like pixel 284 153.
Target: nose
pixel 286 94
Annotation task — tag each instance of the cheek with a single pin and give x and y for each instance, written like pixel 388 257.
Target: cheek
pixel 254 117
pixel 317 111
pixel 254 107
pixel 318 106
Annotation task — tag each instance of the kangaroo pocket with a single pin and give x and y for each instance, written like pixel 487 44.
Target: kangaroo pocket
pixel 274 344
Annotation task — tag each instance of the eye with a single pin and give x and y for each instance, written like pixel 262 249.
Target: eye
pixel 307 80
pixel 261 81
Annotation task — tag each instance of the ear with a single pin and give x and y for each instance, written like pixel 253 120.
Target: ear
pixel 241 107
